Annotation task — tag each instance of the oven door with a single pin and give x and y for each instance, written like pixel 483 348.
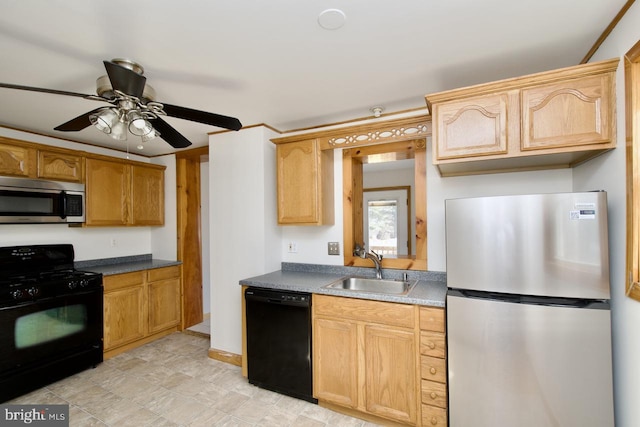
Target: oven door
pixel 42 331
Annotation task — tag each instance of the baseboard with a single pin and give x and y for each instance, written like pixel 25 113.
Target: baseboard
pixel 225 356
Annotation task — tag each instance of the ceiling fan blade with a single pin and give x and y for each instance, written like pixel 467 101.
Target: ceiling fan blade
pixel 202 117
pixel 125 80
pixel 169 134
pixel 53 91
pixel 78 123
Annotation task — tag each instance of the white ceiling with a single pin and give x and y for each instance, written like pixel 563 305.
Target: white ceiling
pixel 270 62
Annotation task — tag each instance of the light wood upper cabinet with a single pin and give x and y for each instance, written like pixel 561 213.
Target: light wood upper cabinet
pixel 364 356
pixel 566 114
pixel 473 127
pixel 108 192
pixel 17 159
pixel 147 195
pixel 305 183
pixel 60 165
pixel 121 193
pixel 29 160
pixel 547 120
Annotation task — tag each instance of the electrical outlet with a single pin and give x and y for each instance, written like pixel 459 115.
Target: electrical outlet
pixel 293 248
pixel 334 248
pixel 113 242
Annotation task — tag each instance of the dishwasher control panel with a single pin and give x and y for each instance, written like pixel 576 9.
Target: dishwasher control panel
pixel 276 296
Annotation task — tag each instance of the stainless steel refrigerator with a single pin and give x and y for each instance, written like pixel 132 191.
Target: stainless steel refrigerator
pixel 528 319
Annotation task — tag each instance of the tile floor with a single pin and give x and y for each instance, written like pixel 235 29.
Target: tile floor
pixel 172 382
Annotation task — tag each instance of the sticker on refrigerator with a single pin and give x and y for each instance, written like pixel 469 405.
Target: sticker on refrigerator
pixel 583 211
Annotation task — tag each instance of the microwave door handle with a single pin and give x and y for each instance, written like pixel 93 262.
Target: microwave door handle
pixel 63 204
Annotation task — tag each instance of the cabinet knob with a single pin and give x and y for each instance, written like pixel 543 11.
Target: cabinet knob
pixel 431 345
pixel 433 395
pixel 433 370
pixel 434 421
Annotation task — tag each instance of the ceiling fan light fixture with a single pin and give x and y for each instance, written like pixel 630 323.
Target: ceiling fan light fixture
pixel 119 131
pixel 151 135
pixel 138 125
pixel 105 119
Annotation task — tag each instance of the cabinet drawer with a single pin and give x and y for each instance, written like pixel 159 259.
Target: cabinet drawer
pixel 432 319
pixel 434 416
pixel 119 281
pixel 434 393
pixel 433 344
pixel 163 273
pixel 433 369
pixel 387 313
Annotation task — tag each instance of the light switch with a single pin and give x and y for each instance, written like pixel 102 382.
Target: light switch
pixel 334 248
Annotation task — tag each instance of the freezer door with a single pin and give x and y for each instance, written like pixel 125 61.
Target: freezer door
pixel 541 244
pixel 528 365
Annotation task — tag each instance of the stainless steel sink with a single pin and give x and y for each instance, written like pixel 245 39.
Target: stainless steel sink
pixel 379 286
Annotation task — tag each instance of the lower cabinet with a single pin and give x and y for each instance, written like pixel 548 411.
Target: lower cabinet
pixel 365 357
pixel 139 307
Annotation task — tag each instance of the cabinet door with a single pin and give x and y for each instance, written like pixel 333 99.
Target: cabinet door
pixel 298 182
pixel 107 192
pixel 124 316
pixel 164 304
pixel 147 195
pixel 566 114
pixel 390 357
pixel 59 166
pixel 16 160
pixel 472 127
pixel 335 362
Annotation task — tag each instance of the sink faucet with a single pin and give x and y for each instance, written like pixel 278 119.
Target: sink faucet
pixel 376 258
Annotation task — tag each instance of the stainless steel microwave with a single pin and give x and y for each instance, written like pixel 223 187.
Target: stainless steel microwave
pixel 34 201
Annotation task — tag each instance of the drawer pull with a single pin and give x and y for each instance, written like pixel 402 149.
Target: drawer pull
pixel 433 371
pixel 434 421
pixel 433 395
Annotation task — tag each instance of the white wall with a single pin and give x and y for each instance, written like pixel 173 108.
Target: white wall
pixel 95 242
pixel 164 240
pixel 243 217
pixel 607 172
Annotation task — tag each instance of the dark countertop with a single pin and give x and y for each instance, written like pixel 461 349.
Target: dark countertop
pixel 128 264
pixel 430 290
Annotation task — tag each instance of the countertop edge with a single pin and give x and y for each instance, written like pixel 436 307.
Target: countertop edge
pixel 127 267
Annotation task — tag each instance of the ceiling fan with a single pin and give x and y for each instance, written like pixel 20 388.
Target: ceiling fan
pixel 133 107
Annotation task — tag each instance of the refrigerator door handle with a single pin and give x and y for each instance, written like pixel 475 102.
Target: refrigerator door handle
pixel 532 300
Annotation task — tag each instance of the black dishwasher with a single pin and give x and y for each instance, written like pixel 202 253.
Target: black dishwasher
pixel 279 341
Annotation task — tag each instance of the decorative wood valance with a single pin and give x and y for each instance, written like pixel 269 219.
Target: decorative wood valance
pixel 371 133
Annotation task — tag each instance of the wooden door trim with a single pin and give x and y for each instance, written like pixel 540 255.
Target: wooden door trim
pixel 188 182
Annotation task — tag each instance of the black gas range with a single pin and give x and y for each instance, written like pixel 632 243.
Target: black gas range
pixel 51 317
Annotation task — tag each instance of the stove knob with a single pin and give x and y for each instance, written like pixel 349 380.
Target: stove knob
pixel 84 283
pixel 73 284
pixel 33 291
pixel 16 294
